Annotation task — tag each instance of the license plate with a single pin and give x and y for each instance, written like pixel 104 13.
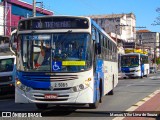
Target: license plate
pixel 50 96
pixel 60 85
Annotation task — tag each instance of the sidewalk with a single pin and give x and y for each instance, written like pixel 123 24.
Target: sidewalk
pixel 146 109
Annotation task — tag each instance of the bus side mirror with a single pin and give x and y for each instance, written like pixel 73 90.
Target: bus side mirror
pixel 98 48
pixel 12 44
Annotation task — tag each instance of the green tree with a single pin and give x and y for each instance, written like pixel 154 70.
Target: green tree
pixel 157 20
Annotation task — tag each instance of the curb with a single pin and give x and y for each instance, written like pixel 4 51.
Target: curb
pixel 138 104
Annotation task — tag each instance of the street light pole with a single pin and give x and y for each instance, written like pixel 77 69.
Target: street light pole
pixel 119 55
pixel 34 8
pixel 155 49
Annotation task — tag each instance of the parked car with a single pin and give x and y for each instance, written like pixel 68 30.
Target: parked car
pixel 153 70
pixel 7 74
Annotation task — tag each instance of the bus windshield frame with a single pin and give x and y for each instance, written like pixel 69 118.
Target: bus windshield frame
pixel 67 52
pixel 130 61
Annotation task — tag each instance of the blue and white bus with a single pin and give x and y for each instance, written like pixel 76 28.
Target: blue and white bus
pixel 64 60
pixel 134 65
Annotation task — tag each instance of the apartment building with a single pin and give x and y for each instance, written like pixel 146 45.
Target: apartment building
pixel 149 41
pixel 120 26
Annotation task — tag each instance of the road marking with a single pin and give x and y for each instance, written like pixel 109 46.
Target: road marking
pixel 155 77
pixel 129 85
pixel 142 81
pixel 135 106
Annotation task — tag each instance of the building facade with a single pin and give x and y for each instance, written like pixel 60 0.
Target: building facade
pixel 119 26
pixel 11 11
pixel 150 41
pixel 14 10
pixel 1 20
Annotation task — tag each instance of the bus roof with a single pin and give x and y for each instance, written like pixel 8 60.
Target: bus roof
pixel 70 16
pixel 48 16
pixel 134 54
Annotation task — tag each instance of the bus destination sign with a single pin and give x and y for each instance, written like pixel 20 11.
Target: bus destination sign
pixel 53 23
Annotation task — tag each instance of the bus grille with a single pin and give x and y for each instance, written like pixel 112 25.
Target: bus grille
pixel 59 98
pixel 50 78
pixel 68 88
pixel 5 78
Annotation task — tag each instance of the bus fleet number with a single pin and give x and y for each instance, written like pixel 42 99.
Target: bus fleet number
pixel 60 85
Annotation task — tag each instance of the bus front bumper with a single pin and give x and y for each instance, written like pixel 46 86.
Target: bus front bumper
pixel 59 97
pixel 131 74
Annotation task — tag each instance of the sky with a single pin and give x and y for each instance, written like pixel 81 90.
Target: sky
pixel 144 10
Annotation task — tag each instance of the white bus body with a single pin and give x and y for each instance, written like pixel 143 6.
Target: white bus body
pixel 69 80
pixel 134 65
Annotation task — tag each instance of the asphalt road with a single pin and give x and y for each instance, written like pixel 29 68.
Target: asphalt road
pixel 127 93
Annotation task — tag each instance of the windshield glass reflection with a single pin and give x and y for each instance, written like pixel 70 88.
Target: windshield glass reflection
pixel 67 52
pixel 129 61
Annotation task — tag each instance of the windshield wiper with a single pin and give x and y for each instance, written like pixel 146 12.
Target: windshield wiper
pixel 63 38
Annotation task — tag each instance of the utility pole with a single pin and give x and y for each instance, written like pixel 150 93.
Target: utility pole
pixel 155 47
pixel 119 54
pixel 34 8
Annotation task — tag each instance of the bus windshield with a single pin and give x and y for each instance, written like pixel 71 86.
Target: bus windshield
pixel 62 52
pixel 6 65
pixel 130 61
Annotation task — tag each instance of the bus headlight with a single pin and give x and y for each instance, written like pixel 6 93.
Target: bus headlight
pixel 74 89
pixel 78 88
pixel 81 86
pixel 21 86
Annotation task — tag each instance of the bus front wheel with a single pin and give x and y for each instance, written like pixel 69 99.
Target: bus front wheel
pixel 112 92
pixel 99 92
pixel 41 106
pixel 94 105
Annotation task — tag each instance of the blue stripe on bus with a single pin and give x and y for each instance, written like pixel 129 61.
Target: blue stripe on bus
pixel 142 69
pixel 33 83
pixel 125 69
pixel 99 75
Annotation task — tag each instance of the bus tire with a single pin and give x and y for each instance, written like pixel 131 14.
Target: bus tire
pixel 41 106
pixel 100 91
pixel 96 104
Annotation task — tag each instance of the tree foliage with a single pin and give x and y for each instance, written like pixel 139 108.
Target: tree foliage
pixel 157 20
